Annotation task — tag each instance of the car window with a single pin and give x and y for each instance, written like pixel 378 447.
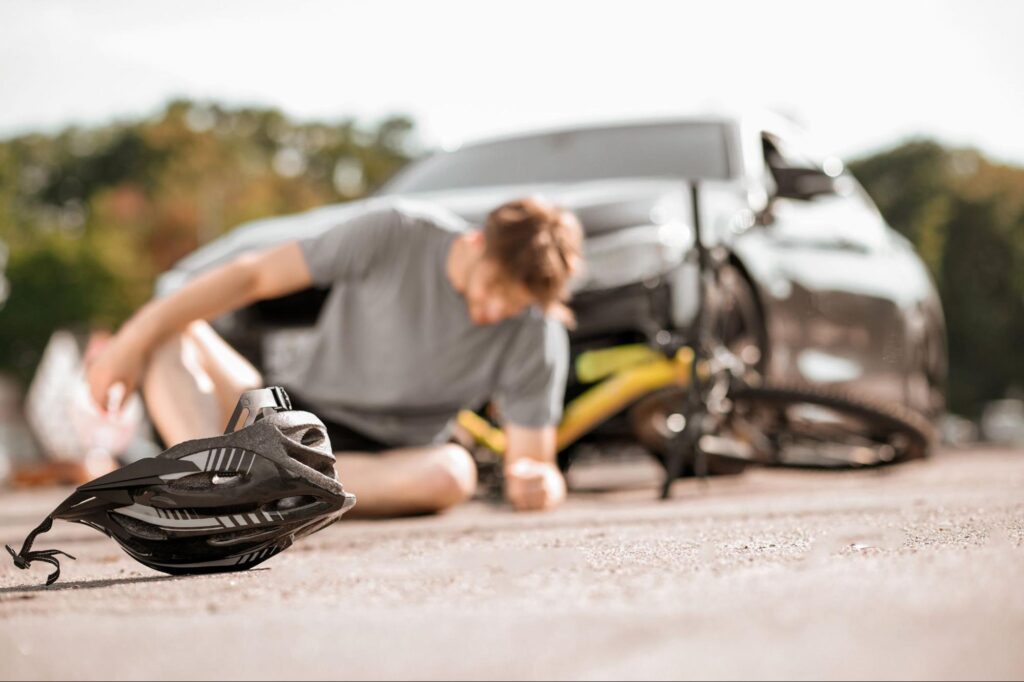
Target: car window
pixel 678 149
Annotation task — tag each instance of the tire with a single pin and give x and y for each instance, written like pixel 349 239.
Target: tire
pixel 817 427
pixel 737 320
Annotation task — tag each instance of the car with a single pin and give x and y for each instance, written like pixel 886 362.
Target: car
pixel 818 288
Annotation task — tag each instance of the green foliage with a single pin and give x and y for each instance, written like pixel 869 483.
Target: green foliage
pixel 965 215
pixel 92 215
pixel 59 283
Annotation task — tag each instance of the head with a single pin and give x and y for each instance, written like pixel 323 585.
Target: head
pixel 525 254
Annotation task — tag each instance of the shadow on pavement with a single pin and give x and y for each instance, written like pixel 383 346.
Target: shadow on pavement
pixel 109 582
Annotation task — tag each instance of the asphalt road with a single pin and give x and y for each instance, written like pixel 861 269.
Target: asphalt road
pixel 914 571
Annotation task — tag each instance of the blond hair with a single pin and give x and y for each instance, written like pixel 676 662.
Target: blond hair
pixel 539 245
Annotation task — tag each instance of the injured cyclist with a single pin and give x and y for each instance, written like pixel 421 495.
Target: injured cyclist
pixel 426 315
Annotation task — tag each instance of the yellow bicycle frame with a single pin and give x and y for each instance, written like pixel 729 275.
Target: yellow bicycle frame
pixel 631 372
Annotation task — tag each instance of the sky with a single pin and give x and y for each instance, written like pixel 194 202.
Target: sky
pixel 861 76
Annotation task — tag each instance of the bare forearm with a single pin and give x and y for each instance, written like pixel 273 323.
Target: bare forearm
pixel 209 295
pixel 251 277
pixel 532 478
pixel 537 444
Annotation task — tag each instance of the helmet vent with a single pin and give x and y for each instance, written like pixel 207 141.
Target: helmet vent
pixel 313 437
pixel 240 536
pixel 290 503
pixel 204 481
pixel 139 529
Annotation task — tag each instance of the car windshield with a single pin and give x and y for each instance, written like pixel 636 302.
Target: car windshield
pixel 676 150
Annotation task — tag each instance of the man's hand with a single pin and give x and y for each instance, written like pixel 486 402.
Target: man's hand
pixel 532 479
pixel 117 362
pixel 533 486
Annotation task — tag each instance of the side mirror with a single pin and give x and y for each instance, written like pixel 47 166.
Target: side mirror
pixel 803 183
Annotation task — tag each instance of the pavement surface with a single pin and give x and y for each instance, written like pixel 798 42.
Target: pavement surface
pixel 914 571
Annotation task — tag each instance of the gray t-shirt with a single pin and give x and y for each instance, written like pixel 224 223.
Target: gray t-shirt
pixel 395 354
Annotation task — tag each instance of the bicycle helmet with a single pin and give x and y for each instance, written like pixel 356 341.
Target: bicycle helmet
pixel 210 505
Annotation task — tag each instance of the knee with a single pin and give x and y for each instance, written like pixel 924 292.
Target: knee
pixel 452 476
pixel 169 355
pixel 173 357
pixel 229 368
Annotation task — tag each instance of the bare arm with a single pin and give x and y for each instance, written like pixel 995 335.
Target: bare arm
pixel 248 278
pixel 536 444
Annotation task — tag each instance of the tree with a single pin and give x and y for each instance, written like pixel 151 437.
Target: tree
pixel 93 215
pixel 965 215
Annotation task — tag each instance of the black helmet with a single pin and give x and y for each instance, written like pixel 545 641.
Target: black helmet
pixel 216 504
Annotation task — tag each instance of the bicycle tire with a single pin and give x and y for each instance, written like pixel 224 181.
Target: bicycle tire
pixel 884 422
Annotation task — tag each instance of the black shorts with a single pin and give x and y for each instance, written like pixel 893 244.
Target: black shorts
pixel 343 438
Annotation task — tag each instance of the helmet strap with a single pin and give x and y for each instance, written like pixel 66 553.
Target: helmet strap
pixel 25 557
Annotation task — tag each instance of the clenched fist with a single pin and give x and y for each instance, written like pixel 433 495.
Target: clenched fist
pixel 531 485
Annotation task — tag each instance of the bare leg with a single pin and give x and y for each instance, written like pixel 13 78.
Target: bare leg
pixel 407 481
pixel 192 383
pixel 231 373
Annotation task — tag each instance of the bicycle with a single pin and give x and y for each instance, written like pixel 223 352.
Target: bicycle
pixel 710 408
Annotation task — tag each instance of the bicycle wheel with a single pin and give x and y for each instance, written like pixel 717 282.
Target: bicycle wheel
pixel 809 426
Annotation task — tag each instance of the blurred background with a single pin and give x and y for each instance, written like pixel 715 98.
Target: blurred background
pixel 133 133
